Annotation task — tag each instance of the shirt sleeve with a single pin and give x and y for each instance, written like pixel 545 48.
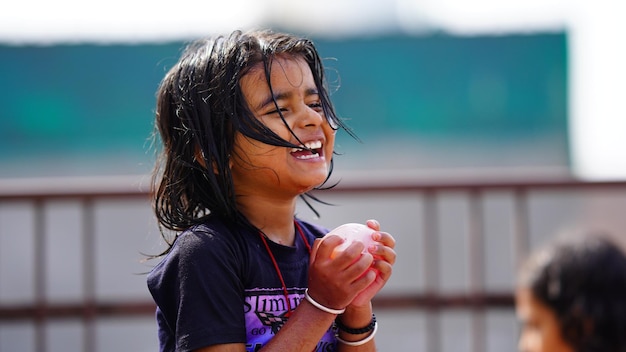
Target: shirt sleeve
pixel 198 291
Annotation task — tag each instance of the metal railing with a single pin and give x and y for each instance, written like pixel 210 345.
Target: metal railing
pixel 476 299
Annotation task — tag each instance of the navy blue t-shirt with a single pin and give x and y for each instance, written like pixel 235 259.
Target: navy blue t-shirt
pixel 218 285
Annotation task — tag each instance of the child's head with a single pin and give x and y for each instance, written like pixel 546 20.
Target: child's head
pixel 571 296
pixel 202 113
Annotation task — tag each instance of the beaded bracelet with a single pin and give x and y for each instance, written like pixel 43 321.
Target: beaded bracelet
pixel 320 306
pixel 359 331
pixel 360 342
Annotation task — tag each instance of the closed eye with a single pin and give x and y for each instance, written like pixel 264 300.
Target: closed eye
pixel 276 111
pixel 317 106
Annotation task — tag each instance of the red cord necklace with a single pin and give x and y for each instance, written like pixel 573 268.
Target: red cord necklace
pixel 280 275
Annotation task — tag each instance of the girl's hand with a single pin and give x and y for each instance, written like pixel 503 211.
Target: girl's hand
pixel 336 279
pixel 384 258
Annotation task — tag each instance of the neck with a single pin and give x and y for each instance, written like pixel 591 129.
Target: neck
pixel 274 218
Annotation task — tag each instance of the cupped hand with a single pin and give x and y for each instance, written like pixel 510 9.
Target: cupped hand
pixel 336 279
pixel 384 259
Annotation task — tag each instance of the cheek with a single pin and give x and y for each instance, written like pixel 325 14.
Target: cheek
pixel 330 134
pixel 330 147
pixel 542 340
pixel 530 341
pixel 554 342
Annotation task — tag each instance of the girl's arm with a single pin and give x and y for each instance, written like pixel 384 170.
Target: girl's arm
pixel 344 281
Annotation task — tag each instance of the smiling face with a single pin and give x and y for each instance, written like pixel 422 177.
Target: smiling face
pixel 262 168
pixel 540 328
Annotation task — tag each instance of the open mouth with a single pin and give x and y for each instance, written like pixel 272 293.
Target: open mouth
pixel 309 150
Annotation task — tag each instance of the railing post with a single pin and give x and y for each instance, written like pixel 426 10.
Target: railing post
pixel 431 270
pixel 476 254
pixel 89 274
pixel 521 235
pixel 40 275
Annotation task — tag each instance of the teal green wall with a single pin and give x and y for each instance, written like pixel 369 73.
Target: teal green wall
pixel 82 102
pixel 59 98
pixel 448 86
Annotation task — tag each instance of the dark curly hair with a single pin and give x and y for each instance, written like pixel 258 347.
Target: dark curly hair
pixel 582 279
pixel 200 107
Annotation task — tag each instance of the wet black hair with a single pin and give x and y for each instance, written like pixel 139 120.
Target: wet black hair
pixel 200 108
pixel 582 279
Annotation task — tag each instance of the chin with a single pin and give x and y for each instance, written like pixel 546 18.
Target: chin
pixel 308 188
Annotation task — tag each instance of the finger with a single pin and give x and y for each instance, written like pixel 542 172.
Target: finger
pixel 381 252
pixel 385 238
pixel 365 280
pixel 373 224
pixel 344 258
pixel 383 268
pixel 327 245
pixel 316 245
pixel 358 267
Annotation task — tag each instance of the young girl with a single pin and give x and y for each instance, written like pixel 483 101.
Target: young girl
pixel 247 126
pixel 572 297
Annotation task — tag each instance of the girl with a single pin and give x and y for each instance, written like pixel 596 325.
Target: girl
pixel 572 298
pixel 247 126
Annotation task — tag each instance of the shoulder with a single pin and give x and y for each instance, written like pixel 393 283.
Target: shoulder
pixel 205 234
pixel 213 236
pixel 204 244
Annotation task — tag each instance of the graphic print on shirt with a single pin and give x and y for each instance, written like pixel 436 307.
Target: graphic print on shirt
pixel 266 313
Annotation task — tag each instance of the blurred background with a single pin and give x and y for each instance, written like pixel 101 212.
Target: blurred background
pixel 485 128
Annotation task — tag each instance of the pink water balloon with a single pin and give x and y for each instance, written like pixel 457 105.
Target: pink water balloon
pixel 350 233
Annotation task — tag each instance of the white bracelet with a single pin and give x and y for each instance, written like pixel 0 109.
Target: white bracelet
pixel 322 307
pixel 360 342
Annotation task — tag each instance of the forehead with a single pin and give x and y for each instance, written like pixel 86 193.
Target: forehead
pixel 285 70
pixel 529 307
pixel 523 302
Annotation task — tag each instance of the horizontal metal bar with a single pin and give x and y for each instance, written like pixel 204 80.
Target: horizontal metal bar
pixel 147 308
pixel 445 301
pixel 77 310
pixel 129 188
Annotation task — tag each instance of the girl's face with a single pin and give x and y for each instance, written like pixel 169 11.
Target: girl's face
pixel 259 167
pixel 540 328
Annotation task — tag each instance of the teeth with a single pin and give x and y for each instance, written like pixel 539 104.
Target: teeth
pixel 309 145
pixel 308 156
pixel 314 145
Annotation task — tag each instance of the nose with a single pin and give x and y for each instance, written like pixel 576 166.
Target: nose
pixel 310 117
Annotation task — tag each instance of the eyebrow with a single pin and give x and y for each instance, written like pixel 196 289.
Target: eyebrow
pixel 286 95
